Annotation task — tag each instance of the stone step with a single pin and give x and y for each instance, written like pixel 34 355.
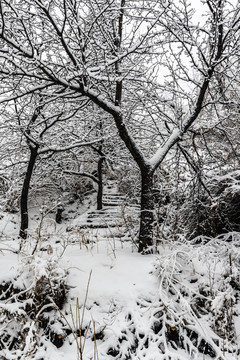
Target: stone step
pixel 93 226
pixel 112 199
pixel 105 211
pixel 111 204
pixel 110 217
pixel 114 195
pixel 116 201
pixel 107 216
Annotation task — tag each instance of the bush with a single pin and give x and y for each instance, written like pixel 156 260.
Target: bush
pixel 26 309
pixel 219 214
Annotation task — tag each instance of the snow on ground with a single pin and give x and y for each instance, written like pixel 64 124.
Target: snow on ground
pixel 116 283
pixel 135 307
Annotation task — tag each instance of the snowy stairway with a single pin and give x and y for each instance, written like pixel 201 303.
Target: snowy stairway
pixel 113 200
pixel 110 217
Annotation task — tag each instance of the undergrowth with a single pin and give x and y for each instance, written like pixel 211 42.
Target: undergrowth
pixel 191 316
pixel 194 312
pixel 199 288
pixel 25 305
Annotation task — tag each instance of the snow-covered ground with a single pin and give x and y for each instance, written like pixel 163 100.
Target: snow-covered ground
pixel 179 304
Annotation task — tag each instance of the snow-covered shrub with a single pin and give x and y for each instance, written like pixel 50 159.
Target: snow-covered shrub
pixel 26 310
pixel 226 202
pixel 199 288
pixel 217 214
pixel 12 198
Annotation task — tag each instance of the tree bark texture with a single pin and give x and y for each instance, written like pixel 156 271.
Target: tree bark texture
pixel 100 184
pixel 25 191
pixel 147 213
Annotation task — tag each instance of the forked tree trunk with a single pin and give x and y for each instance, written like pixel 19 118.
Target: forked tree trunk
pixel 147 213
pixel 25 191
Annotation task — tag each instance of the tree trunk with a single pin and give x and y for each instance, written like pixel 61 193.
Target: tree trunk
pixel 147 213
pixel 25 191
pixel 100 184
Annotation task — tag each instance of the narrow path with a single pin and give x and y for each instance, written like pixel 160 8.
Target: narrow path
pixel 112 218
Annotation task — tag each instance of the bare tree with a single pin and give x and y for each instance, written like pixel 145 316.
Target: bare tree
pixel 41 121
pixel 97 153
pixel 109 50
